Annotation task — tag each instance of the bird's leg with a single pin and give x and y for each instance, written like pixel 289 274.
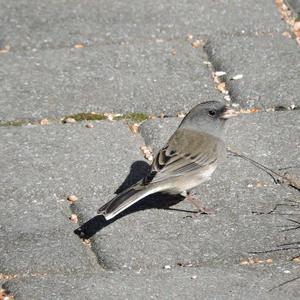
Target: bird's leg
pixel 196 202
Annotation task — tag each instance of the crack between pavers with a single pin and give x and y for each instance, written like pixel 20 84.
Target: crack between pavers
pixel 89 242
pixel 224 85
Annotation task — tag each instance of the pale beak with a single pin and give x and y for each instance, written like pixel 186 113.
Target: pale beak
pixel 229 113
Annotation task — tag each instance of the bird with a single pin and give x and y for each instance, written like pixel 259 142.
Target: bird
pixel 188 159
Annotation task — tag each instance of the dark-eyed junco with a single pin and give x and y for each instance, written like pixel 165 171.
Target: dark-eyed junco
pixel 189 158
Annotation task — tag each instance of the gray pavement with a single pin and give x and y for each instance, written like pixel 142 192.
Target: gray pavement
pixel 135 56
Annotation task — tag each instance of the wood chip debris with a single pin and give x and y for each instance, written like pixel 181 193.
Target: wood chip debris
pixel 147 152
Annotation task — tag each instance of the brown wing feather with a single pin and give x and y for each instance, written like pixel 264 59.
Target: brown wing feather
pixel 175 158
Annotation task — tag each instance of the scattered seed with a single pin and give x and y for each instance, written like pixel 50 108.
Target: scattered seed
pixel 219 73
pixel 87 242
pixel 70 120
pixel 167 267
pixel 237 77
pixel 196 43
pixel 72 198
pixel 74 218
pixel 173 51
pixel 180 115
pixel 89 125
pixel 194 277
pixel 79 46
pixel 44 122
pixel 189 37
pixel 109 116
pixel 227 98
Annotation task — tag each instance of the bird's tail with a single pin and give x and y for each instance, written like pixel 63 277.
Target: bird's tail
pixel 125 199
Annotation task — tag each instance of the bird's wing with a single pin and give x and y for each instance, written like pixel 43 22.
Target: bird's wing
pixel 186 151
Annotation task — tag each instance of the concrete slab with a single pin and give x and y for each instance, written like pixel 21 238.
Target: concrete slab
pixel 176 283
pixel 270 72
pixel 251 211
pixel 50 163
pixel 54 24
pixel 140 77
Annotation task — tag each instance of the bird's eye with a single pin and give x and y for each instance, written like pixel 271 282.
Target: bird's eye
pixel 212 113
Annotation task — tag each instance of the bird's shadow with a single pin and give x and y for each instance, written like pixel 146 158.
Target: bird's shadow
pixel 138 170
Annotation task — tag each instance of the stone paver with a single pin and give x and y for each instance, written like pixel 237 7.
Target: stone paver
pixel 51 24
pixel 270 73
pixel 177 283
pixel 50 163
pixel 120 78
pixel 59 58
pixel 241 194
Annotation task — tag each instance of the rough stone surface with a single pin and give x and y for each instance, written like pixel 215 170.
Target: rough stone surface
pixel 63 57
pixel 270 73
pixel 50 163
pixel 54 24
pixel 175 283
pixel 135 77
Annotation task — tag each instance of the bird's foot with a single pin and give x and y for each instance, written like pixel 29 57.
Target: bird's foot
pixel 197 203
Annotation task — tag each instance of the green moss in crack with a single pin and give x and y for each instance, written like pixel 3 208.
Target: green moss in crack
pixel 14 123
pixel 85 117
pixel 133 117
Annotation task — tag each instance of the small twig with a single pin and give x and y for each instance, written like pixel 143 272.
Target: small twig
pixel 292 181
pixel 284 283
